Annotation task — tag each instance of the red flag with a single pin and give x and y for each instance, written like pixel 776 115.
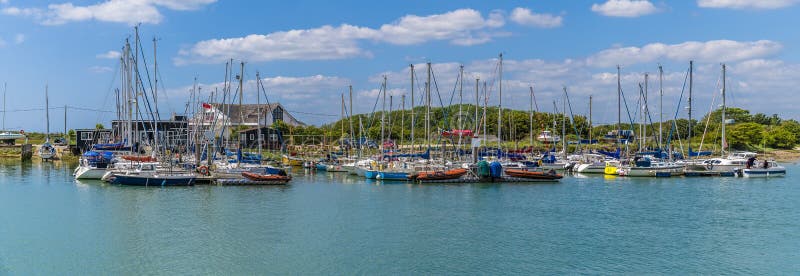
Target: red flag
pixel 206 106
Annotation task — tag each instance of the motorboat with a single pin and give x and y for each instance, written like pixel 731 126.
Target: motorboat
pixel 548 137
pixel 769 169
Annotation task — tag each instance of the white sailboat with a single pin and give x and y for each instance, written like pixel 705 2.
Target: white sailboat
pixel 47 151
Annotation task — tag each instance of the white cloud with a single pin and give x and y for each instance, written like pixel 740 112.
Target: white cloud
pixel 2 42
pixel 625 8
pixel 19 38
pixel 746 4
pixel 713 50
pixel 459 27
pixel 117 11
pixel 526 17
pixel 35 13
pixel 100 69
pixel 3 1
pixel 322 43
pixel 109 55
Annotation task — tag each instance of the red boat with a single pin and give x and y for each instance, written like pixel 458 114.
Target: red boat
pixel 441 175
pixel 549 175
pixel 457 133
pixel 139 158
pixel 267 177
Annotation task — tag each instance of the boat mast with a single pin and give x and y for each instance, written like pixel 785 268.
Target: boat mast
pixel 689 142
pixel 724 144
pixel 460 105
pixel 258 111
pixel 485 103
pixel 341 121
pixel 5 88
pixel 530 128
pixel 47 114
pixel 661 106
pixel 500 104
pixel 564 124
pixel 619 107
pixel 241 94
pixel 477 103
pixel 402 119
pixel 413 125
pixel 646 112
pixel 350 117
pixel 156 117
pixel 590 120
pixel 383 112
pixel 428 108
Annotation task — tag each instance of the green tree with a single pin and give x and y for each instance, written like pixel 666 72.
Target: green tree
pixel 744 135
pixel 780 138
pixel 99 126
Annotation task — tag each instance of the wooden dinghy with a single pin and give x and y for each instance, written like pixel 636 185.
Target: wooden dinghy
pixel 273 178
pixel 440 175
pixel 549 175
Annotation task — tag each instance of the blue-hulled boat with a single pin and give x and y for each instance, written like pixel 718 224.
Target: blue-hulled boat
pixel 370 174
pixel 154 180
pixel 388 175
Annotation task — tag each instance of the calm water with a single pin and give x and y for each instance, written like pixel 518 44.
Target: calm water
pixel 333 224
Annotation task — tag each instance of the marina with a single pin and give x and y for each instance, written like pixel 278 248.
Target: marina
pixel 202 137
pixel 350 225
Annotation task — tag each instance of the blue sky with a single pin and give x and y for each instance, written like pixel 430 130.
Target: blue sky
pixel 308 52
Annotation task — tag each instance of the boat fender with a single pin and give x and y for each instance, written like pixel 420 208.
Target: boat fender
pixel 203 170
pixel 540 162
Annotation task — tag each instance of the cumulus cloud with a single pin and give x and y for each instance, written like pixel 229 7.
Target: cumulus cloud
pixel 625 8
pixel 117 11
pixel 109 55
pixel 100 69
pixel 526 17
pixel 460 27
pixel 713 50
pixel 19 38
pixel 746 4
pixel 321 43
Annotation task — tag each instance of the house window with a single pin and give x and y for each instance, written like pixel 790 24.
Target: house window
pixel 105 136
pixel 277 114
pixel 243 137
pixel 261 137
pixel 87 136
pixel 252 137
pixel 273 137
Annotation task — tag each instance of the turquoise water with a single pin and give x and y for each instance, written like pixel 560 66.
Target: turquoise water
pixel 333 224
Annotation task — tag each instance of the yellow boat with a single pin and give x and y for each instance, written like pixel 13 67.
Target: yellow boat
pixel 292 161
pixel 611 168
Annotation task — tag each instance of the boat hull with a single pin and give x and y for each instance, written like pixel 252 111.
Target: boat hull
pixel 89 173
pixel 137 180
pixel 591 168
pixel 764 173
pixel 651 171
pixel 392 176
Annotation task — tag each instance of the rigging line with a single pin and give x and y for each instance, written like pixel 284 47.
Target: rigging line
pixel 149 81
pixel 677 112
pixel 110 85
pixel 572 118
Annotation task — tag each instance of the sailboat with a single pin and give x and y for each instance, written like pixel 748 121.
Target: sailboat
pixel 5 136
pixel 47 151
